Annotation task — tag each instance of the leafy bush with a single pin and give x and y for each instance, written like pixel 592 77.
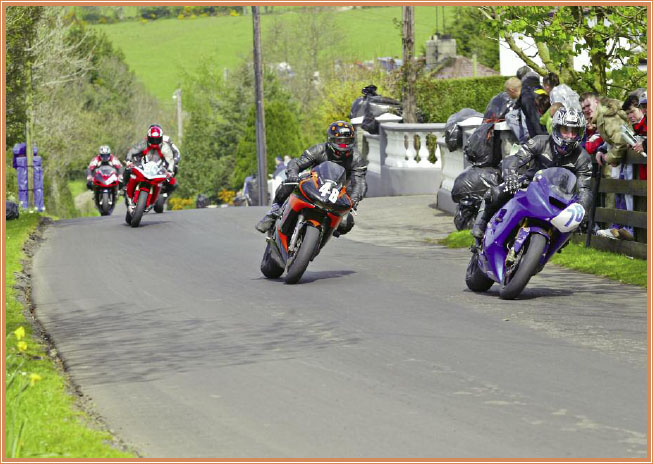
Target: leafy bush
pixel 181 203
pixel 438 99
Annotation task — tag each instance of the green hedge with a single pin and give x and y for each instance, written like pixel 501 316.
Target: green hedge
pixel 438 99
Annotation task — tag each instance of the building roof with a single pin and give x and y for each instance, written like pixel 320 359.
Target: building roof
pixel 461 66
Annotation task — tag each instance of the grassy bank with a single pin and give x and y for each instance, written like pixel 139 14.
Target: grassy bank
pixel 181 44
pixel 43 420
pixel 84 208
pixel 574 256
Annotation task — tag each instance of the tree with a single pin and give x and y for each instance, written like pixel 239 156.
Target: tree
pixel 21 26
pixel 283 137
pixel 466 27
pixel 614 37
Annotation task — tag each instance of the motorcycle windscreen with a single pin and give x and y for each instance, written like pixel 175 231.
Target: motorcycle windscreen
pixel 106 170
pixel 561 182
pixel 330 171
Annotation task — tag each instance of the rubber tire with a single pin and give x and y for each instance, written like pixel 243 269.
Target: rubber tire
pixel 527 266
pixel 475 279
pixel 104 204
pixel 310 242
pixel 140 209
pixel 128 217
pixel 269 267
pixel 160 203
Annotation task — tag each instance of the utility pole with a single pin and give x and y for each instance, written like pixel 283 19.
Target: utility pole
pixel 409 72
pixel 29 151
pixel 180 124
pixel 261 154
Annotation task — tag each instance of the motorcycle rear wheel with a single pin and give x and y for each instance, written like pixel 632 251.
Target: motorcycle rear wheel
pixel 160 203
pixel 309 242
pixel 475 279
pixel 269 267
pixel 526 268
pixel 140 208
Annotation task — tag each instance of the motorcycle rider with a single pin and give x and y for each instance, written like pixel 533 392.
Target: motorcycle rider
pixel 155 142
pixel 339 148
pixel 104 157
pixel 560 149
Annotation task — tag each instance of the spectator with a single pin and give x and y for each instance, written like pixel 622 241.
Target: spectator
pixel 279 166
pixel 637 119
pixel 608 117
pixel 637 116
pixel 642 102
pixel 503 102
pixel 550 81
pixel 559 96
pixel 526 103
pixel 521 72
pixel 543 103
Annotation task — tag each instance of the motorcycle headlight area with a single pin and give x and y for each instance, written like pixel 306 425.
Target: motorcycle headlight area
pixel 151 169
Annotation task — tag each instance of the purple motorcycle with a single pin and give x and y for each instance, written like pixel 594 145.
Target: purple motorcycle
pixel 523 235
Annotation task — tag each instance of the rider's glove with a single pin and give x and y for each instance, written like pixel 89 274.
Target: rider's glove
pixel 511 184
pixel 292 179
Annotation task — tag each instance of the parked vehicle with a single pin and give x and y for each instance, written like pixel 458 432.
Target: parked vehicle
pixel 105 188
pixel 309 217
pixel 144 187
pixel 523 235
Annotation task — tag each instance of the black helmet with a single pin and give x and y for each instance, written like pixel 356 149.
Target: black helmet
pixel 369 90
pixel 154 135
pixel 340 137
pixel 572 121
pixel 105 153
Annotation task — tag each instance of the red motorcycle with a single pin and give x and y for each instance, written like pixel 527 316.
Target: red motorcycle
pixel 144 187
pixel 105 188
pixel 309 217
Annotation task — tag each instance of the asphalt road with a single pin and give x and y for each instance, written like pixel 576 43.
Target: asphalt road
pixel 380 351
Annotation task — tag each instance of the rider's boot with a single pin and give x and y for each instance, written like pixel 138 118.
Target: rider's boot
pixel 265 224
pixel 482 218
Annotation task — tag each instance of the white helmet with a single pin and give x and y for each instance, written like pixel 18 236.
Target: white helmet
pixel 570 119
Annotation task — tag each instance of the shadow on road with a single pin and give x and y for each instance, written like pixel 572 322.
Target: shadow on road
pixel 319 275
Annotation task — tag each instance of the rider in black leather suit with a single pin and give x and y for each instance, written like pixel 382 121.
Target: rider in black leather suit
pixel 560 149
pixel 338 148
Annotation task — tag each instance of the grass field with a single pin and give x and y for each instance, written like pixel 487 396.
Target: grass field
pixel 42 419
pixel 158 50
pixel 574 256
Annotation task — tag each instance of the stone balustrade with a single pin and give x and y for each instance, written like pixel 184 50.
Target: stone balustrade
pixel 401 163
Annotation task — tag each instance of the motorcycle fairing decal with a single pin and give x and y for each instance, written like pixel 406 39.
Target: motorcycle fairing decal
pixel 569 218
pixel 335 220
pixel 298 204
pixel 283 238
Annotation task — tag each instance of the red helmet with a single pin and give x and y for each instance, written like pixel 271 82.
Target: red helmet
pixel 154 135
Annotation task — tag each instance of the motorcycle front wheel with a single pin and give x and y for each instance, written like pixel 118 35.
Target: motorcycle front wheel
pixel 515 283
pixel 140 208
pixel 105 209
pixel 303 254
